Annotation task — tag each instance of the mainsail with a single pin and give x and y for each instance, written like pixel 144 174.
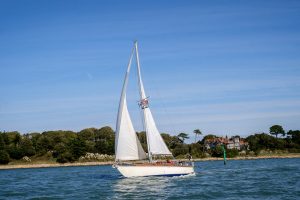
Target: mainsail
pixel 156 145
pixel 127 144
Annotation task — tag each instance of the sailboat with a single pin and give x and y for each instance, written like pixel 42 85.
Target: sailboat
pixel 128 149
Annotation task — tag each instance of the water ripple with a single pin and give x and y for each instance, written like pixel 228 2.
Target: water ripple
pixel 241 179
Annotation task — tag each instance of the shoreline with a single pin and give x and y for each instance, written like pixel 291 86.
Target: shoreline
pixel 98 163
pixel 46 165
pixel 249 157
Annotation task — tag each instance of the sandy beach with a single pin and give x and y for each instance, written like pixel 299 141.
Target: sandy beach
pixel 23 166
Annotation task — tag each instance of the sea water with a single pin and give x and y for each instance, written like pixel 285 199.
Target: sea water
pixel 239 179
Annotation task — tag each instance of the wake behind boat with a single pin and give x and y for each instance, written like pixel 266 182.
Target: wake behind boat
pixel 127 145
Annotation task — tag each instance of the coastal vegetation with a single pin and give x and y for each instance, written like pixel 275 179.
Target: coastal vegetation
pixel 94 144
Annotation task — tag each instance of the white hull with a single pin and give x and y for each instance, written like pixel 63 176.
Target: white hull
pixel 133 171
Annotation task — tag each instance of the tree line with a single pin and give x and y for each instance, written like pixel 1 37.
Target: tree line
pixel 63 146
pixel 69 146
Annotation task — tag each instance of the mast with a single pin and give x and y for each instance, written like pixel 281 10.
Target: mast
pixel 143 98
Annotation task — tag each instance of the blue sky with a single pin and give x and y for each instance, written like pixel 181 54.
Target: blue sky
pixel 226 67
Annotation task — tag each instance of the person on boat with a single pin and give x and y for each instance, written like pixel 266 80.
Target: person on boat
pixel 190 157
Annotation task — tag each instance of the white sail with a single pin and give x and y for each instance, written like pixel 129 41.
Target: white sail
pixel 127 144
pixel 155 142
pixel 156 145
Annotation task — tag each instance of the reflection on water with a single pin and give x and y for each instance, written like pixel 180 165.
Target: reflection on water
pixel 149 187
pixel 132 187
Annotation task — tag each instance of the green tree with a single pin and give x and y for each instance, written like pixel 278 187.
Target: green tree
pixel 171 141
pixel 105 138
pixel 277 129
pixel 2 143
pixel 231 153
pixel 5 138
pixel 105 147
pixel 90 146
pixel 34 138
pixel 59 149
pixel 17 138
pixel 65 157
pixel 295 136
pixel 88 134
pixel 143 139
pixel 217 151
pixel 104 133
pixel 77 147
pixel 197 132
pixel 27 147
pixel 261 141
pixel 4 157
pixel 15 152
pixel 209 136
pixel 44 144
pixel 13 137
pixel 180 149
pixel 183 136
pixel 196 150
pixel 55 137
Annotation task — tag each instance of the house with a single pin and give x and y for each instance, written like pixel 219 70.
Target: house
pixel 234 142
pixel 243 144
pixel 230 144
pixel 213 142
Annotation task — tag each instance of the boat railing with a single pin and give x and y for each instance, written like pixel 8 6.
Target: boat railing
pixel 158 163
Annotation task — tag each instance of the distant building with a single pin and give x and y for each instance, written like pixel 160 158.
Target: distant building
pixel 234 142
pixel 230 144
pixel 243 144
